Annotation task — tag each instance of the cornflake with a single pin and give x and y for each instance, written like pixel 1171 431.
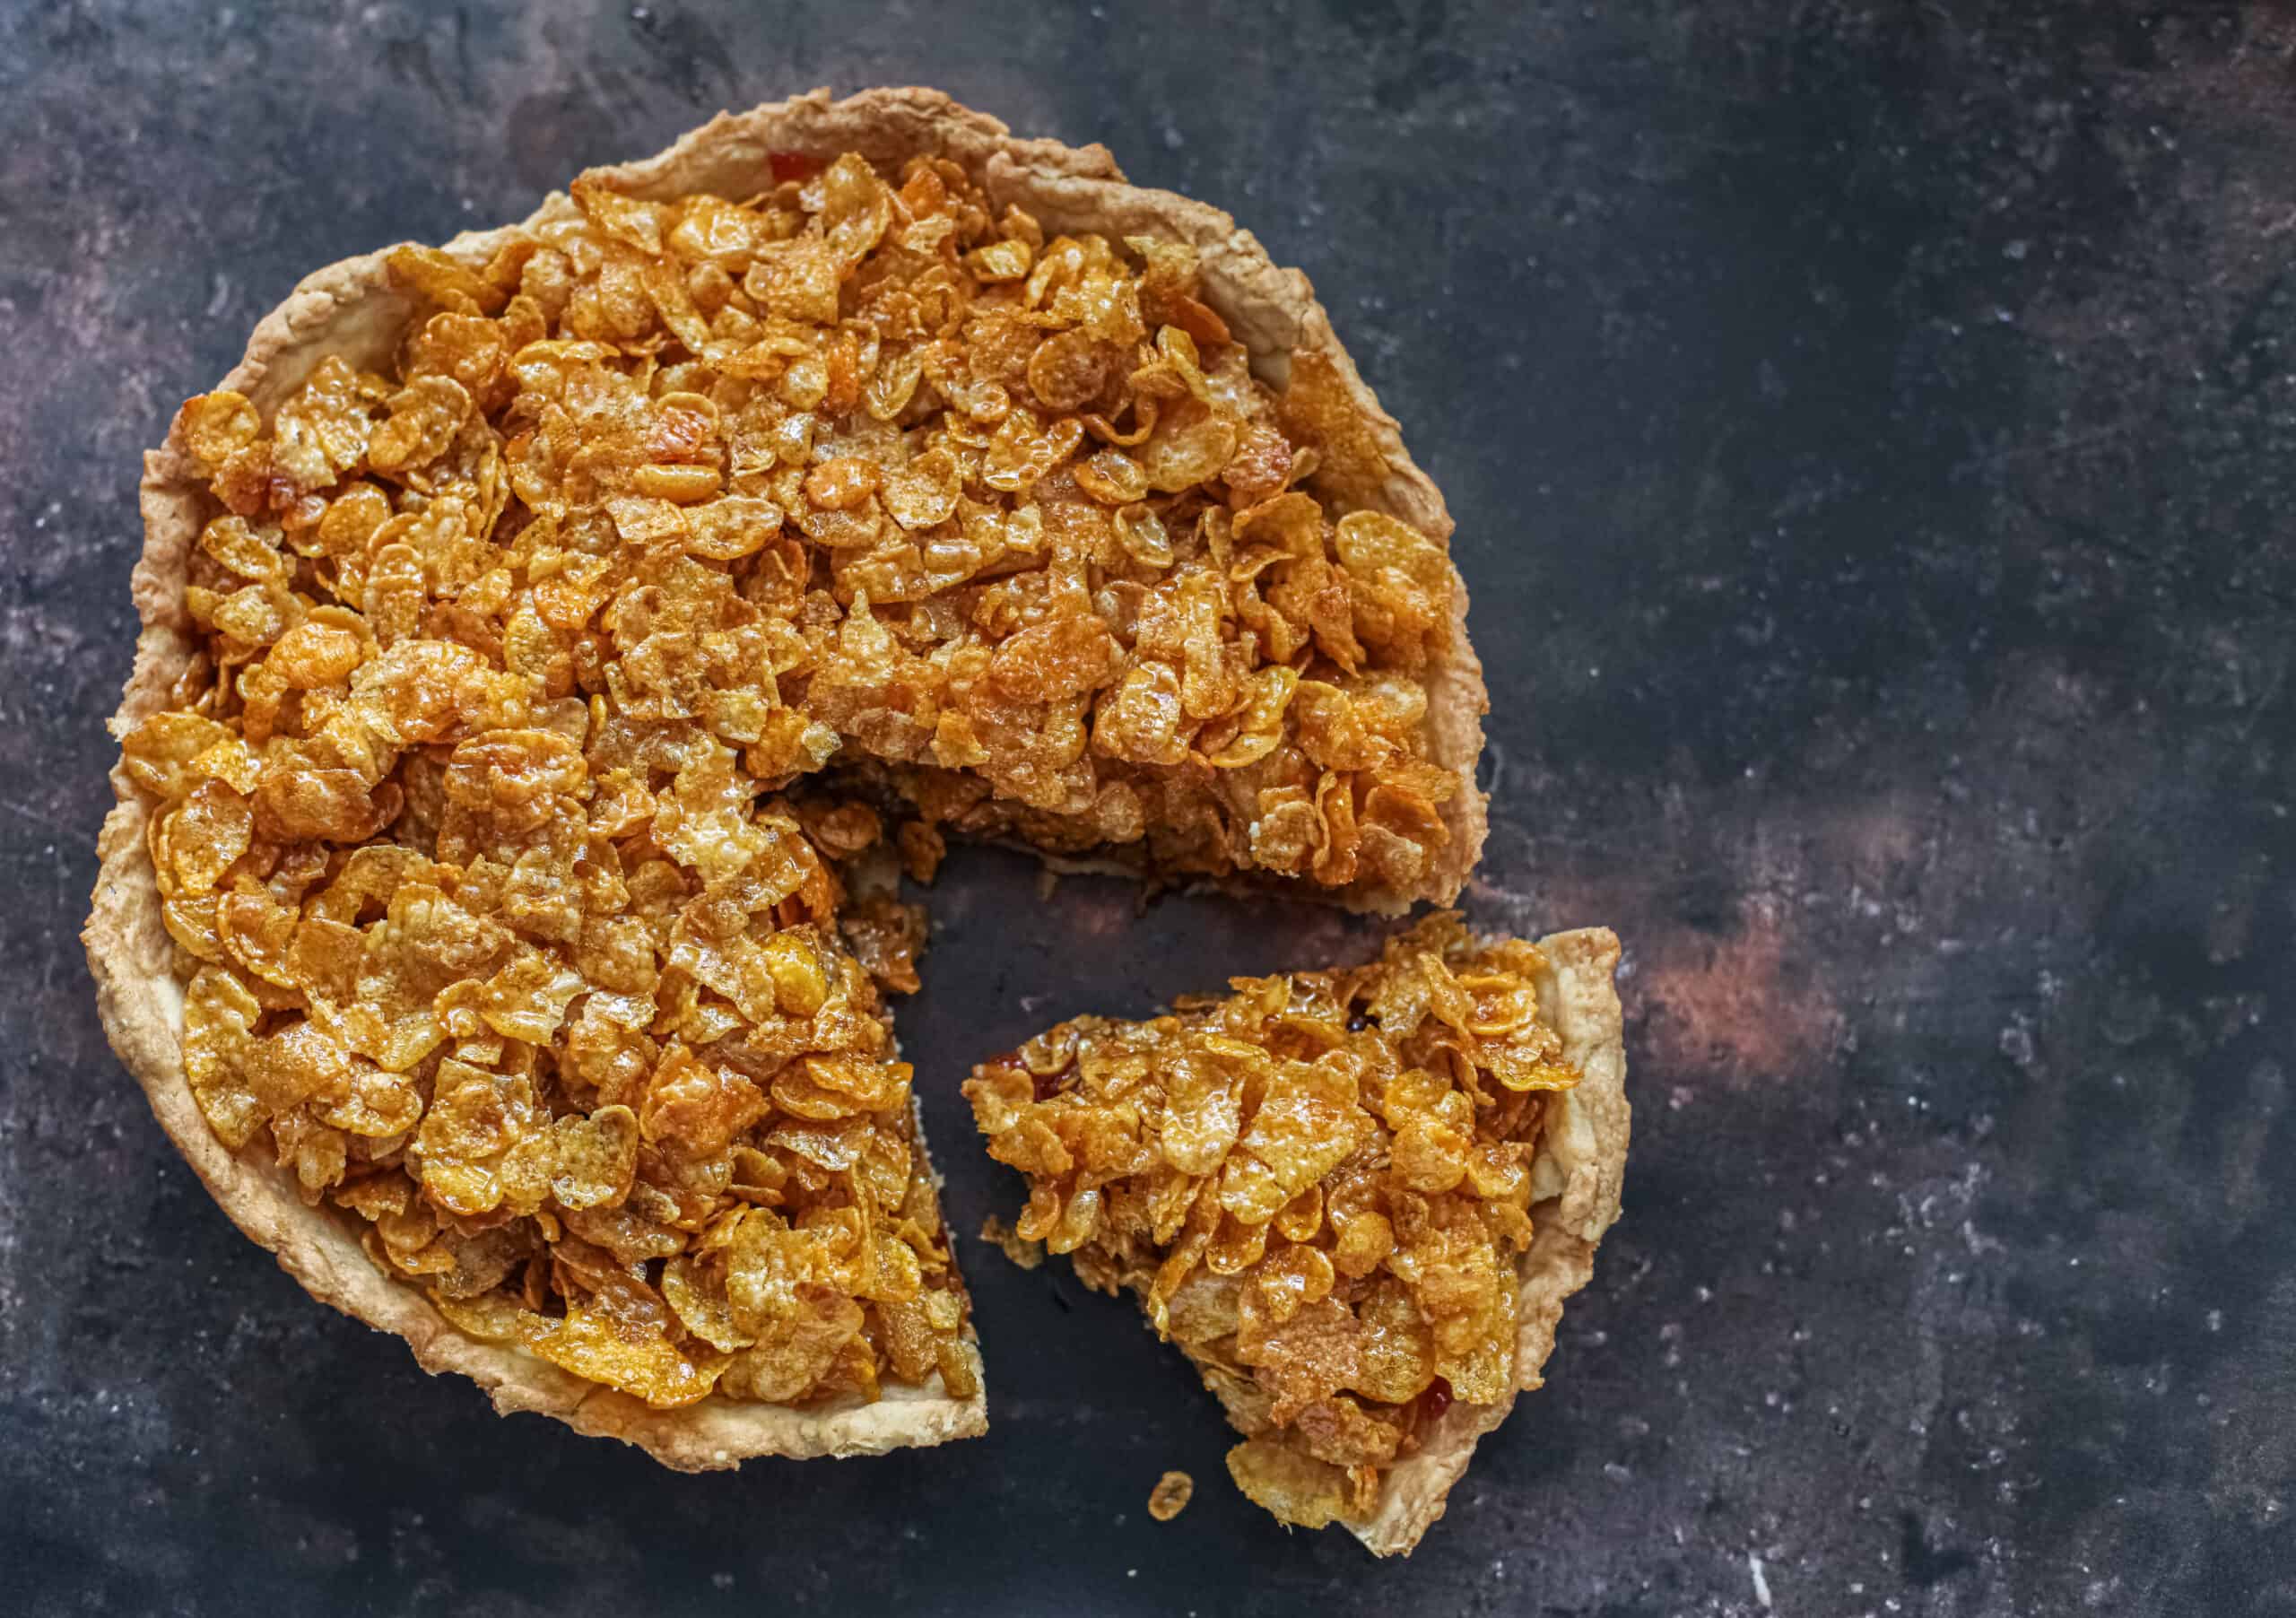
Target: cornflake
pixel 1170 1496
pixel 1318 1187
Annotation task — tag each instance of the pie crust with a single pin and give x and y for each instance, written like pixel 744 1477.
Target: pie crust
pixel 351 309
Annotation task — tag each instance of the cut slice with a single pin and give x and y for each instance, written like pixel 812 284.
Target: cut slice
pixel 1356 1198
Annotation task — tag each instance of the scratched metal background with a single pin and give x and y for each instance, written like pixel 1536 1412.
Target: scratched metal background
pixel 1872 430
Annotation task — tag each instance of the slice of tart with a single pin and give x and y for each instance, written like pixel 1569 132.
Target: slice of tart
pixel 1356 1199
pixel 453 914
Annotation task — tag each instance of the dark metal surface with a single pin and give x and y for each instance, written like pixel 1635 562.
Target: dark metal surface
pixel 1870 429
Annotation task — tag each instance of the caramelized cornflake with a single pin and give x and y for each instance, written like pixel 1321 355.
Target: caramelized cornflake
pixel 1170 1496
pixel 1319 1186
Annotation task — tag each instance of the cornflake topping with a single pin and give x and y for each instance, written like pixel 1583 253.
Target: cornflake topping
pixel 1318 1186
pixel 495 925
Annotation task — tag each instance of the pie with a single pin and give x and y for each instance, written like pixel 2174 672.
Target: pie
pixel 553 640
pixel 1356 1198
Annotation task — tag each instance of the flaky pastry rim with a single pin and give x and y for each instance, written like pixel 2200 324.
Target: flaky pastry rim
pixel 350 309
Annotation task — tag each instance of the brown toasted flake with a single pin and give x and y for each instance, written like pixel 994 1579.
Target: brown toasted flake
pixel 1170 1496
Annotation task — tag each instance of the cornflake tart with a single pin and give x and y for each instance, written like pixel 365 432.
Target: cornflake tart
pixel 476 912
pixel 1356 1199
